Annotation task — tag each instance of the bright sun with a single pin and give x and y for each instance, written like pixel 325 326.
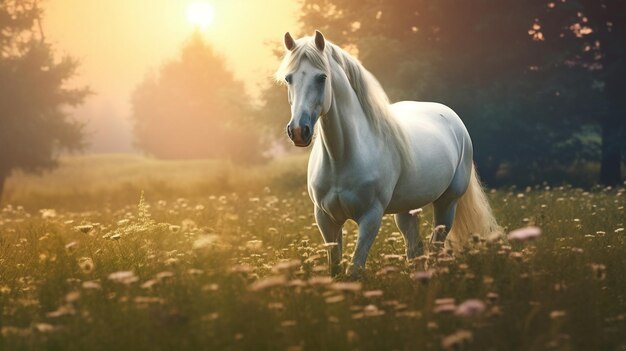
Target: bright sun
pixel 200 14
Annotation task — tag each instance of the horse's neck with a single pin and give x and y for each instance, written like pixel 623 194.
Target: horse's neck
pixel 344 129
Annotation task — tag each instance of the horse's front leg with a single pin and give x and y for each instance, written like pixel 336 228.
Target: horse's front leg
pixel 331 231
pixel 369 224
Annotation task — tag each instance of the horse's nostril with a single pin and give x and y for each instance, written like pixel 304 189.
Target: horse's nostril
pixel 306 132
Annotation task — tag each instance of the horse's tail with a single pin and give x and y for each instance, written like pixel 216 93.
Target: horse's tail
pixel 473 214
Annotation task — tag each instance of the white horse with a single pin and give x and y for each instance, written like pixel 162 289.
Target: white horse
pixel 372 158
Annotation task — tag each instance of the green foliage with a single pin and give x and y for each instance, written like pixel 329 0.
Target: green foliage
pixel 590 36
pixel 34 124
pixel 509 75
pixel 247 270
pixel 195 108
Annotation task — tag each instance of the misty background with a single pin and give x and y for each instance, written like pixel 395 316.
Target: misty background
pixel 116 55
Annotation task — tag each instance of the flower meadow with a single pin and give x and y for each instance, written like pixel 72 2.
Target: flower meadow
pixel 248 271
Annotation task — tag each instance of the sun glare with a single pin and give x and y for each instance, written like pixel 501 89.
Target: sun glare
pixel 200 14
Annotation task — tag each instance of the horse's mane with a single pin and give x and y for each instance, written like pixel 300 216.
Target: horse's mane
pixel 369 92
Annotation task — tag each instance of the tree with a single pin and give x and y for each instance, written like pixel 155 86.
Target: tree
pixel 591 35
pixel 34 125
pixel 195 108
pixel 480 57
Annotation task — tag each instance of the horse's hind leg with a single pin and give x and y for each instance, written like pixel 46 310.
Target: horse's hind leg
pixel 444 209
pixel 331 231
pixel 409 227
pixel 445 206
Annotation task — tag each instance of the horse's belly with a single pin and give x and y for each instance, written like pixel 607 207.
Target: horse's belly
pixel 417 192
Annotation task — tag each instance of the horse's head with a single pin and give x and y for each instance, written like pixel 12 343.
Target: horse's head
pixel 306 72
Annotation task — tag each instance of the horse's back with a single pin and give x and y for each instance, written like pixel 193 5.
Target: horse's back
pixel 427 113
pixel 431 125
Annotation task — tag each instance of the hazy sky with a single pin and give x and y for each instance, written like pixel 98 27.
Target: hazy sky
pixel 119 41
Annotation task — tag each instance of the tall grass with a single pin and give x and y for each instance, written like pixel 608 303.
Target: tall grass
pixel 242 267
pixel 89 182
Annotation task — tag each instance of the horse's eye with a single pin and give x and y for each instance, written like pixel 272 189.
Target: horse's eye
pixel 288 79
pixel 321 78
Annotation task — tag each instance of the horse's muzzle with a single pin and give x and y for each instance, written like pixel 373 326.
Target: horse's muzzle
pixel 300 135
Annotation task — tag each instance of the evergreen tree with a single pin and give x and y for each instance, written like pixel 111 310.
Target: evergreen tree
pixel 34 125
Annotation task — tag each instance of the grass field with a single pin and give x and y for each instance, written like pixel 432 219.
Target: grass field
pixel 219 257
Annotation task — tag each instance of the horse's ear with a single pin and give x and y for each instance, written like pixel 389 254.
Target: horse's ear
pixel 320 42
pixel 290 44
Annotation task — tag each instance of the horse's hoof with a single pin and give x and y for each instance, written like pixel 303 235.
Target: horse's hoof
pixel 335 271
pixel 419 263
pixel 355 273
pixel 436 246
